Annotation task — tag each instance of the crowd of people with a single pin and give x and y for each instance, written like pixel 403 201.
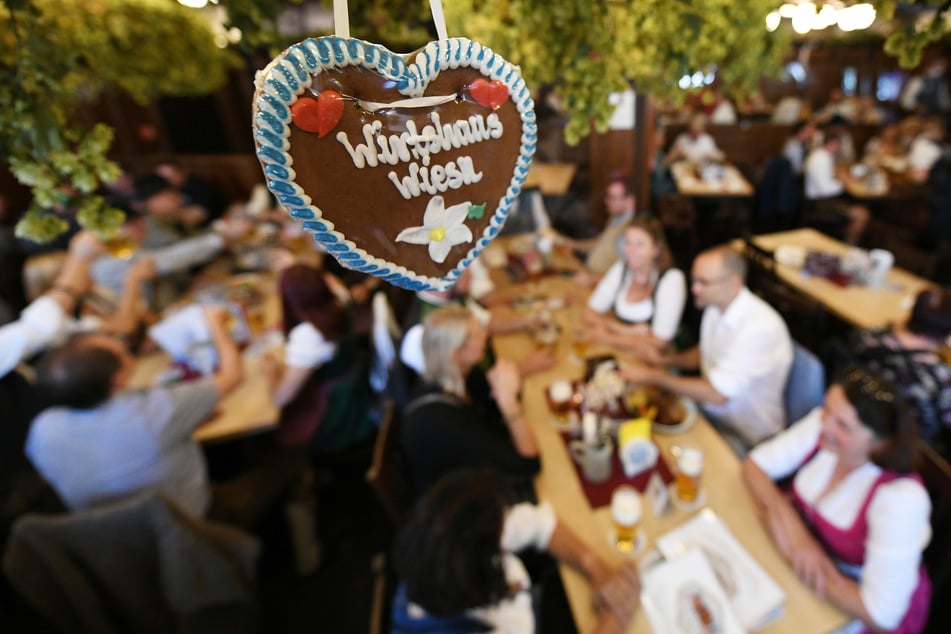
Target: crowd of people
pixel 78 437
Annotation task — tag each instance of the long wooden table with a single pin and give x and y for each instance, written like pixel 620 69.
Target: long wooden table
pixel 559 484
pixel 247 409
pixel 732 183
pixel 855 304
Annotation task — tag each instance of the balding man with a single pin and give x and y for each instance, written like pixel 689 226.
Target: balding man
pixel 744 355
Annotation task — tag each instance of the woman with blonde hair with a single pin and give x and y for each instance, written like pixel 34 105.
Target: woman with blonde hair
pixel 640 300
pixel 463 416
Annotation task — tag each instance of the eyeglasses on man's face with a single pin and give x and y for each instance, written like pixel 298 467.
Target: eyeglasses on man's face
pixel 707 281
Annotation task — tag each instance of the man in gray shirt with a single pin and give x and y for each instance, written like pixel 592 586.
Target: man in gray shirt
pixel 101 441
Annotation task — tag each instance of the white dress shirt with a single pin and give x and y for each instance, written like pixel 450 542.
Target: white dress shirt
pixel 924 153
pixel 698 149
pixel 746 353
pixel 819 175
pixel 40 324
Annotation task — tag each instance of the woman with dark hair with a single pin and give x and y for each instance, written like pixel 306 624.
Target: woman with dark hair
pixel 459 574
pixel 323 389
pixel 907 354
pixel 863 515
pixel 639 301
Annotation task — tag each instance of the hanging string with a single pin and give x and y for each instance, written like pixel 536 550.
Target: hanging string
pixel 341 18
pixel 439 19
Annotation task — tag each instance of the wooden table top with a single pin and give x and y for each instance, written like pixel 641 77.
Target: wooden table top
pixel 559 484
pixel 856 304
pixel 879 183
pixel 248 408
pixel 733 183
pixel 553 179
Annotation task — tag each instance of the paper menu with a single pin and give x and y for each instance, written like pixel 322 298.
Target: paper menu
pixel 682 596
pixel 755 596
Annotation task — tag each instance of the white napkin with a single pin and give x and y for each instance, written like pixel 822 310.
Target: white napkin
pixel 181 332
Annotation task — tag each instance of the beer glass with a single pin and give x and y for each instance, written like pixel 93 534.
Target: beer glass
pixel 688 472
pixel 626 517
pixel 120 244
pixel 579 344
pixel 560 395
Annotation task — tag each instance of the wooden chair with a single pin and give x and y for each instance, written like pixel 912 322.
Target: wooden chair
pixel 385 475
pixel 806 318
pixel 382 591
pixel 805 387
pixel 936 473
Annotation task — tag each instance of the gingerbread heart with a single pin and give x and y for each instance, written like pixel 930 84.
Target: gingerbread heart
pixel 418 174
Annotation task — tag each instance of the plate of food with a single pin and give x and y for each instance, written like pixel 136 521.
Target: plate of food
pixel 670 413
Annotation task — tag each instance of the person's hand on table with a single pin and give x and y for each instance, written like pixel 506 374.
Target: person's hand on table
pixel 806 556
pixel 619 591
pixel 636 372
pixel 271 368
pixel 813 567
pixel 649 354
pixel 585 278
pixel 564 242
pixel 537 360
pixel 279 258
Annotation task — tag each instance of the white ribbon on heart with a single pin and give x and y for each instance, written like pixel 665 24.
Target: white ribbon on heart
pixel 342 19
pixel 415 102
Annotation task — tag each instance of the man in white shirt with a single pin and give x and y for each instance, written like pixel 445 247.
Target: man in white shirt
pixel 695 145
pixel 925 150
pixel 744 355
pixel 798 145
pixel 819 175
pixel 824 190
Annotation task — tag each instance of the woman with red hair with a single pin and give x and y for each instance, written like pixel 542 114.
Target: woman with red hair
pixel 323 388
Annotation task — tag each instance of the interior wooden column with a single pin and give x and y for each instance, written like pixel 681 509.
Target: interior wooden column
pixel 643 148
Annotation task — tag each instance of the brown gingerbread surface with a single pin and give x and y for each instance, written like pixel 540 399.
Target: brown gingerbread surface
pixel 365 204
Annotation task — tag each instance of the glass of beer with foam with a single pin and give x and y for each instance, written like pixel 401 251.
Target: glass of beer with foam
pixel 688 472
pixel 626 517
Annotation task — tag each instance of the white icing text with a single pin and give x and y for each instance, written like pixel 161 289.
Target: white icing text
pixel 416 147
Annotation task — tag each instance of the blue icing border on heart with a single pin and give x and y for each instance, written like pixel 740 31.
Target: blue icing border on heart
pixel 289 74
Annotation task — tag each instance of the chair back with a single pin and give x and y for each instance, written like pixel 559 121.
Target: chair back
pixel 806 385
pixel 385 334
pixel 807 319
pixel 761 265
pixel 778 192
pixel 936 474
pixel 386 475
pixel 163 570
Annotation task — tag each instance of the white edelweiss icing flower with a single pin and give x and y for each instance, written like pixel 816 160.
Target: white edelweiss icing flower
pixel 442 228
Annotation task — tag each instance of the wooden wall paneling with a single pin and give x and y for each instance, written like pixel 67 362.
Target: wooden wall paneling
pixel 609 152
